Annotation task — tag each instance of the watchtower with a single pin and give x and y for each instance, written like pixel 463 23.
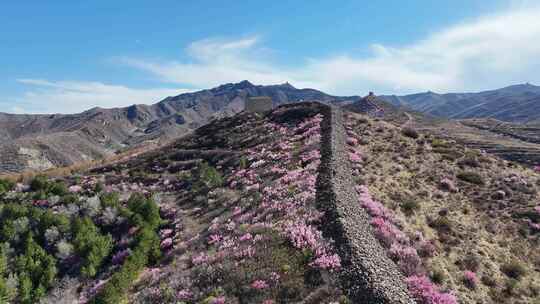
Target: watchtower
pixel 258 104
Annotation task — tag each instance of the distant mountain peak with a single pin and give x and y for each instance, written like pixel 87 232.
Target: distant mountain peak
pixel 288 85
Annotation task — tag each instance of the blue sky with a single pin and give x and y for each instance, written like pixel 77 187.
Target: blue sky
pixel 68 56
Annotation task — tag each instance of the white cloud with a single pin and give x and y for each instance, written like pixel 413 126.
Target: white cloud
pixel 488 52
pixel 46 96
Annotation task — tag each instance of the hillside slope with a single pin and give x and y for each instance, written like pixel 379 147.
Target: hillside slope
pixel 472 219
pixel 301 205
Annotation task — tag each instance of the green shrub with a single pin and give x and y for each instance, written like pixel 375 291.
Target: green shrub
pixel 99 188
pixel 441 224
pixel 111 199
pixel 410 132
pixel 210 176
pixel 70 199
pixel 48 219
pixel 439 143
pixel 90 245
pixel 39 182
pixel 145 211
pixel 243 162
pixel 410 206
pixel 469 162
pixel 5 186
pixel 471 177
pixel 58 188
pixel 146 251
pixel 514 269
pixel 437 276
pixel 448 153
pixel 36 270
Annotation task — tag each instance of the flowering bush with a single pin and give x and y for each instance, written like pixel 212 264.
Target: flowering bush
pixel 166 244
pixel 259 284
pixel 537 169
pixel 470 279
pixel 407 258
pixel 184 295
pixel 426 292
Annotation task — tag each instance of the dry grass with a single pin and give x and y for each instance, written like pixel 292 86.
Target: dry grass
pixel 472 229
pixel 81 167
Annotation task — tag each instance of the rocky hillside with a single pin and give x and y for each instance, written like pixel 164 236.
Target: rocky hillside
pixel 518 104
pixel 39 142
pixel 304 204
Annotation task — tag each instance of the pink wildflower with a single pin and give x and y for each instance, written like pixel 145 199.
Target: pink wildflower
pixel 426 292
pixel 352 141
pixel 214 238
pixel 274 276
pixel 218 300
pixel 184 295
pixel 327 262
pixel 355 157
pixel 246 237
pixel 200 259
pixel 302 236
pixel 237 211
pixel 165 233
pixel 406 258
pixel 259 284
pixel 166 243
pixel 75 189
pixel 470 279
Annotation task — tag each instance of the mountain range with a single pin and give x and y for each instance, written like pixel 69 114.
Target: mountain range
pixel 517 103
pixel 39 142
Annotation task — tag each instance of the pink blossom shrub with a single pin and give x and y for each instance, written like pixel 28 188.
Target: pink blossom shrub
pixel 470 279
pixel 166 244
pixel 75 189
pixel 537 169
pixel 259 284
pixel 218 300
pixel 425 292
pixel 406 258
pixel 184 295
pixel 326 261
pixel 165 233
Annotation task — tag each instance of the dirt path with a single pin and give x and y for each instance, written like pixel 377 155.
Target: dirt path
pixel 409 121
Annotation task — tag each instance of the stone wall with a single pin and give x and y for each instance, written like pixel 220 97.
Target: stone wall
pixel 368 275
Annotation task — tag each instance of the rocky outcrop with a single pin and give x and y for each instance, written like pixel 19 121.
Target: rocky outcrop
pixel 368 275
